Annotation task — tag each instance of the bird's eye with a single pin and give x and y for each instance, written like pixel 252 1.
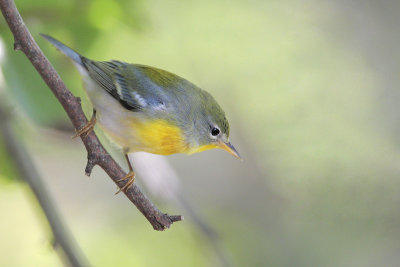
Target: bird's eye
pixel 215 131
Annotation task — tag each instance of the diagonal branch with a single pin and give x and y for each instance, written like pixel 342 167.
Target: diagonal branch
pixel 29 173
pixel 97 155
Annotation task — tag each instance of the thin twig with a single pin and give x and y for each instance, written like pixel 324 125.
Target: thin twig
pixel 97 155
pixel 28 172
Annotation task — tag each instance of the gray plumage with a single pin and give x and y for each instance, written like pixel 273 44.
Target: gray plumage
pixel 152 93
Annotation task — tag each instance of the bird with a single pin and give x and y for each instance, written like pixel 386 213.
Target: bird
pixel 147 109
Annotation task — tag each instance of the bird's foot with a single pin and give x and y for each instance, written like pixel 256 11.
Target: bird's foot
pixel 131 179
pixel 87 128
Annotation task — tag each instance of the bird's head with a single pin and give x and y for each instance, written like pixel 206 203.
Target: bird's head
pixel 211 127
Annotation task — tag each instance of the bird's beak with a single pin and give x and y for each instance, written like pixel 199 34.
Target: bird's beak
pixel 231 149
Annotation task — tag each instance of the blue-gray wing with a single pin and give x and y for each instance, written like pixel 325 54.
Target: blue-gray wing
pixel 125 83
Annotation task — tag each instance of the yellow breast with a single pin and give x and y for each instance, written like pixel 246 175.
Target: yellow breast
pixel 161 137
pixel 154 136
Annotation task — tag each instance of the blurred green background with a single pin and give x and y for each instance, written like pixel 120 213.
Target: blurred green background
pixel 311 91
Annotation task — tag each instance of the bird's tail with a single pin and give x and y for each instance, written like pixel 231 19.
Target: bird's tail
pixel 69 52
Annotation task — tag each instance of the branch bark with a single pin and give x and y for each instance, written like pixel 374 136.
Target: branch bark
pixel 97 155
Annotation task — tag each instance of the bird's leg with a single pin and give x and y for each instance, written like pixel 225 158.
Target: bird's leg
pixel 130 177
pixel 88 127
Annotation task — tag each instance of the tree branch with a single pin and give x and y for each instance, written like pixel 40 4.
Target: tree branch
pixel 29 173
pixel 97 155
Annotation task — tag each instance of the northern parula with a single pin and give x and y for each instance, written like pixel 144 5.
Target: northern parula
pixel 143 108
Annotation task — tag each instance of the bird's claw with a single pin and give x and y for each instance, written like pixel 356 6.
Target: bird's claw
pixel 131 179
pixel 87 128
